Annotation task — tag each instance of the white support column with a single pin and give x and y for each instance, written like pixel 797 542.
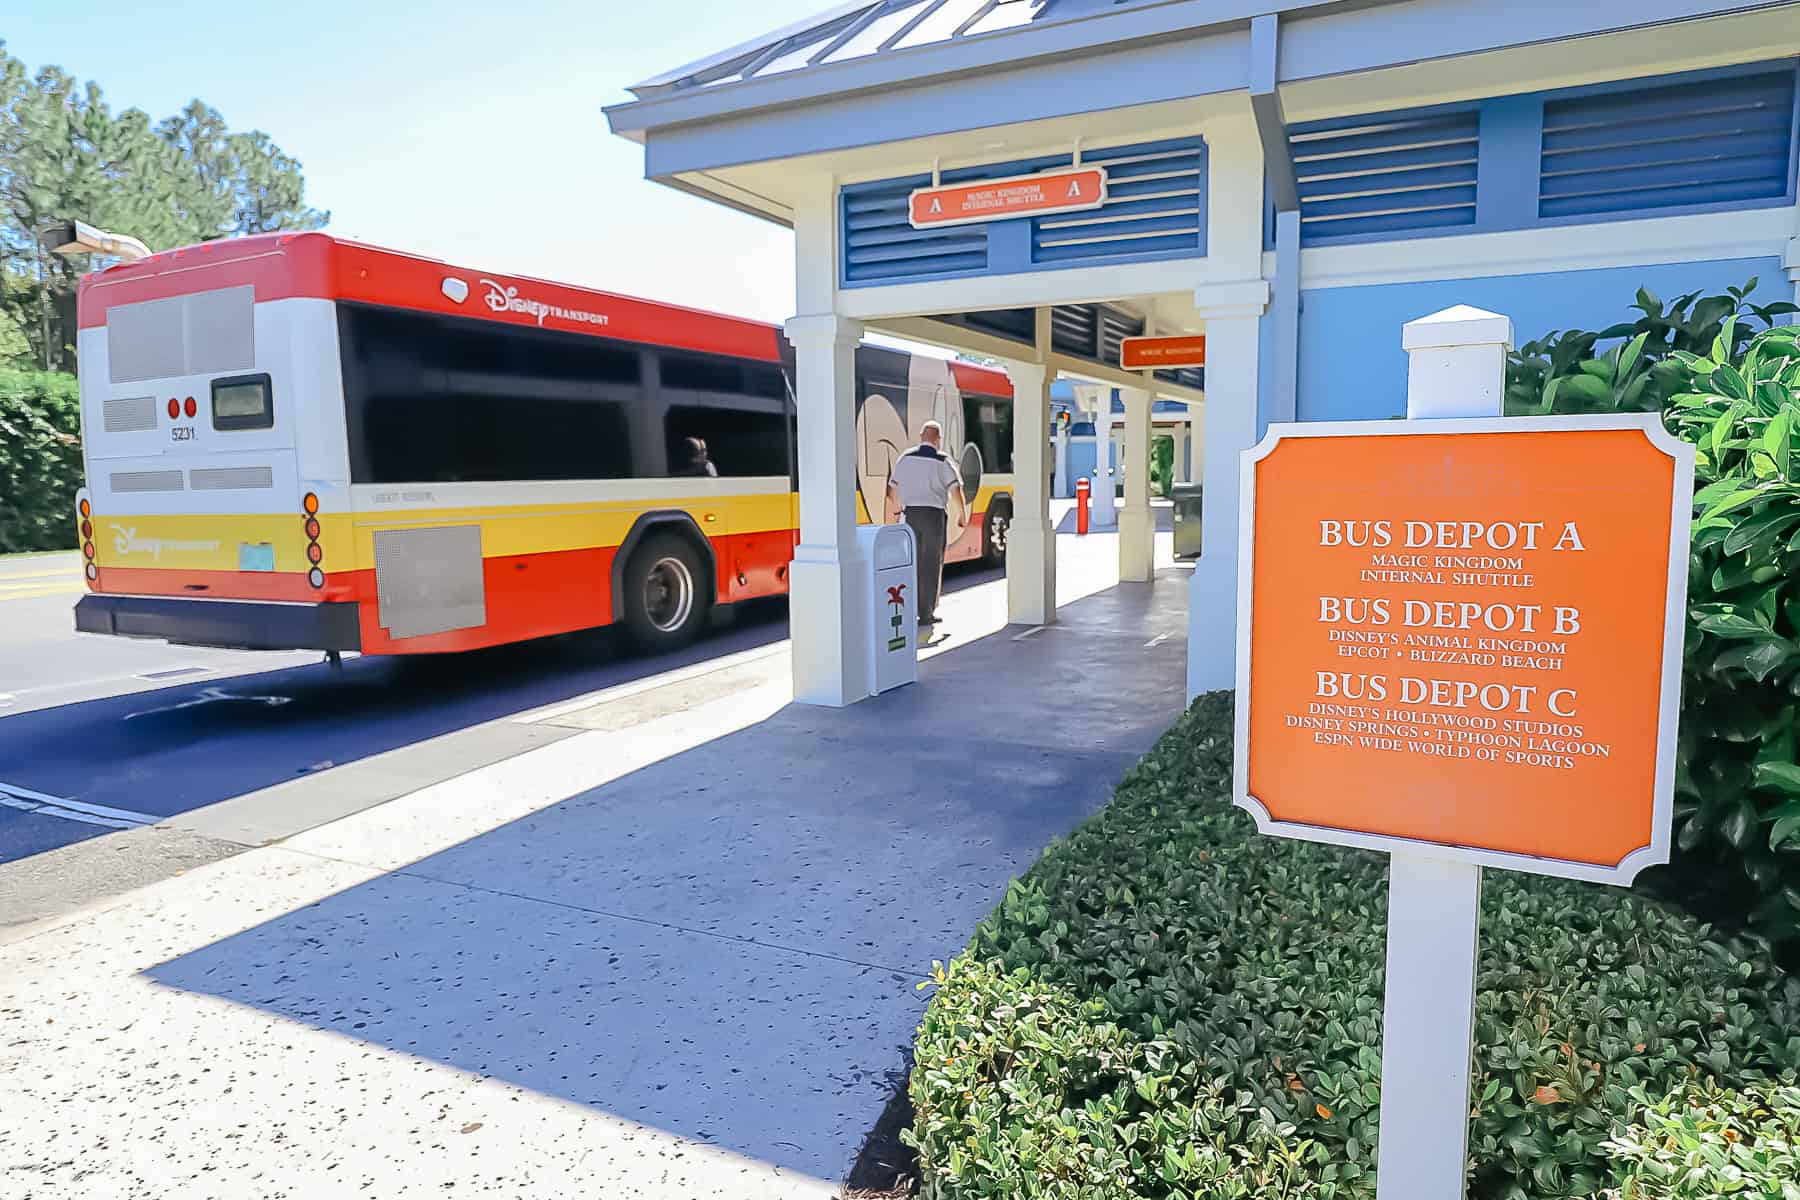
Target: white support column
pixel 1456 368
pixel 1064 486
pixel 1231 312
pixel 1137 527
pixel 1031 538
pixel 827 609
pixel 1102 512
pixel 1179 473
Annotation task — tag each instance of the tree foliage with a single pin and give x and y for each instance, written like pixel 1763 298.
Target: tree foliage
pixel 40 460
pixel 64 153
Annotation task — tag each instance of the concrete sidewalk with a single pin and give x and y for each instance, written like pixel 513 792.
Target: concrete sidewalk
pixel 673 955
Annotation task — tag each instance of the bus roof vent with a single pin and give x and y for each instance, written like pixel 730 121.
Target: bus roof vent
pixel 128 414
pixel 219 479
pixel 146 481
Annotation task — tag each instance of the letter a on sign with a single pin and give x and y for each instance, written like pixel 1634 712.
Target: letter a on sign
pixel 937 206
pixel 1075 189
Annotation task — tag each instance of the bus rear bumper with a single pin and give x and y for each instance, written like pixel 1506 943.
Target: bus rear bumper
pixel 228 624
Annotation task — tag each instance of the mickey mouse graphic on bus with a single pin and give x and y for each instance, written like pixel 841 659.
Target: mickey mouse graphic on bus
pixel 889 422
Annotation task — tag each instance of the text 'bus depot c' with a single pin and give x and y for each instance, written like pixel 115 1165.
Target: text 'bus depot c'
pixel 293 441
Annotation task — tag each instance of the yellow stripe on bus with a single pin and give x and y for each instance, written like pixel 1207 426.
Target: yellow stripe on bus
pixel 215 542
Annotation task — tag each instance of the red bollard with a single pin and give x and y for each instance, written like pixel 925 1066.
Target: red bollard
pixel 1084 487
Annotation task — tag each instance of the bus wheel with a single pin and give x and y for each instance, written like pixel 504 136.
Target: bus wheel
pixel 993 534
pixel 667 593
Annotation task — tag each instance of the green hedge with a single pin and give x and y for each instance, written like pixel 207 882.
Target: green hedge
pixel 1706 1141
pixel 40 460
pixel 1171 1005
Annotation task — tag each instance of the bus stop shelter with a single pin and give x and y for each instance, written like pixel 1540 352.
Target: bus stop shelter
pixel 1290 179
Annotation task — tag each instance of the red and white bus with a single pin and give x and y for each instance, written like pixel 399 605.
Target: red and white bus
pixel 295 441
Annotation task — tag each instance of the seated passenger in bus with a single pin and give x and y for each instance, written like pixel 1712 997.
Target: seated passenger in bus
pixel 697 462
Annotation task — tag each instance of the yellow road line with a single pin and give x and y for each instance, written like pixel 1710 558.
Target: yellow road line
pixel 65 573
pixel 31 581
pixel 66 589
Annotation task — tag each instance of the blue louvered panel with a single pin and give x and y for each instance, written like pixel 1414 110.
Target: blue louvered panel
pixel 881 244
pixel 1661 147
pixel 1155 203
pixel 1074 329
pixel 1391 173
pixel 1115 326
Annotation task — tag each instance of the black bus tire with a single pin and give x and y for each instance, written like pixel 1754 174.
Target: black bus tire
pixel 668 593
pixel 994 529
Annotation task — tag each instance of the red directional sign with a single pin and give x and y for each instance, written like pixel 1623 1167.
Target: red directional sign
pixel 1000 199
pixel 1155 353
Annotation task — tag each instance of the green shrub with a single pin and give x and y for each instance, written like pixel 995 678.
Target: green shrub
pixel 1247 970
pixel 1706 1141
pixel 40 460
pixel 1738 784
pixel 1723 379
pixel 1560 373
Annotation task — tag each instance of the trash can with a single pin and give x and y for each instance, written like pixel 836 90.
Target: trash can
pixel 1186 498
pixel 894 605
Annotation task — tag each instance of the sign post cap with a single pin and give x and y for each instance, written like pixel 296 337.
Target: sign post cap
pixel 1458 325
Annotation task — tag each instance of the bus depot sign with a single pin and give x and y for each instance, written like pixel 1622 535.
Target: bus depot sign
pixel 1459 642
pixel 1002 199
pixel 1155 353
pixel 1466 635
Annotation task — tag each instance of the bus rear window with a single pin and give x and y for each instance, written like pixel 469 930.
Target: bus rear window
pixel 242 403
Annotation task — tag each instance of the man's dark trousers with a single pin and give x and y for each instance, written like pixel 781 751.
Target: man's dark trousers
pixel 929 525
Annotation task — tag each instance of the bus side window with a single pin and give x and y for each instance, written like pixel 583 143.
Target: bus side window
pixel 722 415
pixel 441 399
pixel 987 422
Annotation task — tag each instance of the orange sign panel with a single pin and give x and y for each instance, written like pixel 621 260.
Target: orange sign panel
pixel 999 199
pixel 1139 353
pixel 1467 639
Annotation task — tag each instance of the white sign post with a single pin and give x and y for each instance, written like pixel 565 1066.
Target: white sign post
pixel 1456 367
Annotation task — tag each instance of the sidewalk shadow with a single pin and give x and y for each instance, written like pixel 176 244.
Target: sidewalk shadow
pixel 724 944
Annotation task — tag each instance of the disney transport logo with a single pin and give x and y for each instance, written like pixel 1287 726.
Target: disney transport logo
pixel 502 298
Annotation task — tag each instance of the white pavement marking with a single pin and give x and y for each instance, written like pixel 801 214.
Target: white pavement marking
pixel 211 695
pixel 26 800
pixel 1158 640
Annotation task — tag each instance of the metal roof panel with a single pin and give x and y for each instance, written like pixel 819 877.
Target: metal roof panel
pixel 866 28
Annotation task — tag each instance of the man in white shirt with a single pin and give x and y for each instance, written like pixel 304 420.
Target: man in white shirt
pixel 921 485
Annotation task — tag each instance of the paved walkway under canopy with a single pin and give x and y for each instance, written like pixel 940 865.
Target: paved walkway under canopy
pixel 674 955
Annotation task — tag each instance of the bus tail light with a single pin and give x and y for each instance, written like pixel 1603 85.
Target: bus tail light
pixel 93 572
pixel 174 408
pixel 87 510
pixel 315 553
pixel 190 408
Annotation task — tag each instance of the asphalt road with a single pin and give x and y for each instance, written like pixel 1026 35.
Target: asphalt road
pixel 154 731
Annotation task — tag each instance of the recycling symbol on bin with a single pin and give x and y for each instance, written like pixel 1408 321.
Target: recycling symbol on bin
pixel 897 598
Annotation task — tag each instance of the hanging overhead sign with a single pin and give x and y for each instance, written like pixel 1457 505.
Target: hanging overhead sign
pixel 1155 353
pixel 1463 638
pixel 999 199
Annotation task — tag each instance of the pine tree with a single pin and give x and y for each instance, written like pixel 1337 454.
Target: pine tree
pixel 64 154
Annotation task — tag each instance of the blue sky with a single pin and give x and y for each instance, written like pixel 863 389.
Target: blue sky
pixel 465 129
